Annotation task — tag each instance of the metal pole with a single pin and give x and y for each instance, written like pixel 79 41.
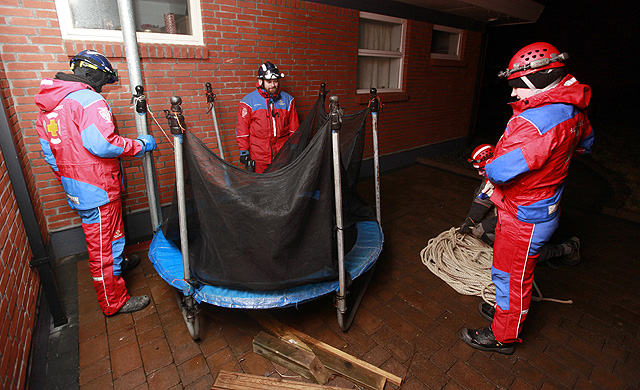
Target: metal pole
pixel 177 126
pixel 41 260
pixel 132 54
pixel 336 123
pixel 211 98
pixel 374 107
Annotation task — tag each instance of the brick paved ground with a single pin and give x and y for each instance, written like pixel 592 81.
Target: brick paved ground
pixel 410 321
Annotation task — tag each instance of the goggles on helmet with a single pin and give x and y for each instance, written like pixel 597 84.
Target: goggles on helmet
pixel 94 60
pixel 269 71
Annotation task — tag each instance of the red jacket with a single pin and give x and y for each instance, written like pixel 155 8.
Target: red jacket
pixel 531 159
pixel 264 125
pixel 78 139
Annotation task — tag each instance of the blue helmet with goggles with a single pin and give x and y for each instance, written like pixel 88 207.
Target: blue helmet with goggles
pixel 269 71
pixel 93 60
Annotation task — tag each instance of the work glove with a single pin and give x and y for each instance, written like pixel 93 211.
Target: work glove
pixel 244 157
pixel 478 230
pixel 465 227
pixel 147 142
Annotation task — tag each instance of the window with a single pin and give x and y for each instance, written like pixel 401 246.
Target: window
pixel 445 43
pixel 156 21
pixel 380 52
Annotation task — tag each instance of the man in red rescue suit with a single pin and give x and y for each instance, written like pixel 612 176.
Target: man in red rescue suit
pixel 78 139
pixel 266 119
pixel 528 168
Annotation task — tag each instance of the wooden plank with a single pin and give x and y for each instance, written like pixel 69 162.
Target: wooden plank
pixel 291 356
pixel 335 360
pixel 238 381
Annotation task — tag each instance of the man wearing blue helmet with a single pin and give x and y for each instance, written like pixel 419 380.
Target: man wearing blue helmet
pixel 266 119
pixel 79 141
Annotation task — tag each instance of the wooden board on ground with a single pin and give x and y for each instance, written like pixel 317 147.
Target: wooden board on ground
pixel 237 381
pixel 296 359
pixel 354 369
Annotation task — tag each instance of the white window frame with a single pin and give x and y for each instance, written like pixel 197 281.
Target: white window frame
pixel 71 33
pixel 386 54
pixel 451 30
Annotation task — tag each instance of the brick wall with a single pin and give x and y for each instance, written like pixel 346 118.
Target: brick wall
pixel 18 283
pixel 311 43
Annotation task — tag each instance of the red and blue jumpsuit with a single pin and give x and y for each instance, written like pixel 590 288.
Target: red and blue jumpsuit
pixel 529 165
pixel 264 124
pixel 78 139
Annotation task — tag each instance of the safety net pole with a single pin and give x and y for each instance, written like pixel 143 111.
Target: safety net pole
pixel 335 114
pixel 177 126
pixel 132 55
pixel 211 99
pixel 374 107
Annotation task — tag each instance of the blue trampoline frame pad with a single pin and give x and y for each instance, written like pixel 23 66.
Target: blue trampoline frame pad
pixel 167 260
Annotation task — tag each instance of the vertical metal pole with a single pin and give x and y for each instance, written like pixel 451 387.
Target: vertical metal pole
pixel 374 108
pixel 211 99
pixel 132 54
pixel 336 123
pixel 177 126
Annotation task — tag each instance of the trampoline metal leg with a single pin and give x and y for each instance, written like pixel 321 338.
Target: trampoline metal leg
pixel 345 324
pixel 189 309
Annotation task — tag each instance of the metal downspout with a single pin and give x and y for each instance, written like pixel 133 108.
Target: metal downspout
pixel 41 260
pixel 476 93
pixel 132 54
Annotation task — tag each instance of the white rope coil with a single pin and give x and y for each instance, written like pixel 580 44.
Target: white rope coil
pixel 464 263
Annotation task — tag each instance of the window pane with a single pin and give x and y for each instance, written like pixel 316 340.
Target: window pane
pixel 378 72
pixel 376 35
pixel 444 42
pixel 162 16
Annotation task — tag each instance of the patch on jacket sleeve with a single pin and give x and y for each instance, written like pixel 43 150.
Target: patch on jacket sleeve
pixel 105 113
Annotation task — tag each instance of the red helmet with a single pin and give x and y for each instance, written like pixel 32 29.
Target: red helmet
pixel 533 58
pixel 480 156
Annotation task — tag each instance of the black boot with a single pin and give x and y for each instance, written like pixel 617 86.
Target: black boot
pixel 130 262
pixel 573 257
pixel 134 304
pixel 487 311
pixel 484 340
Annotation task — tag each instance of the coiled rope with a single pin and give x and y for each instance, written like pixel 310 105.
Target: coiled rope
pixel 464 263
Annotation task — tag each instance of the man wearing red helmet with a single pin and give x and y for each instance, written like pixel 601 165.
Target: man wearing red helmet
pixel 266 119
pixel 528 168
pixel 78 139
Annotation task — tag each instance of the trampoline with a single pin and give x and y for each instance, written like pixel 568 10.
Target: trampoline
pixel 174 261
pixel 167 260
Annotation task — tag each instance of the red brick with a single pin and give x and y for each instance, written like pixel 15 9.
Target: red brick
pixel 155 355
pixel 193 369
pixel 163 378
pixel 125 359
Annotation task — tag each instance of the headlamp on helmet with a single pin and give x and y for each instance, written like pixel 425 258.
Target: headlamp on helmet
pixel 533 58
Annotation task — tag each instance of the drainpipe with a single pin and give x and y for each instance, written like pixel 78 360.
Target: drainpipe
pixel 476 93
pixel 132 55
pixel 41 260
